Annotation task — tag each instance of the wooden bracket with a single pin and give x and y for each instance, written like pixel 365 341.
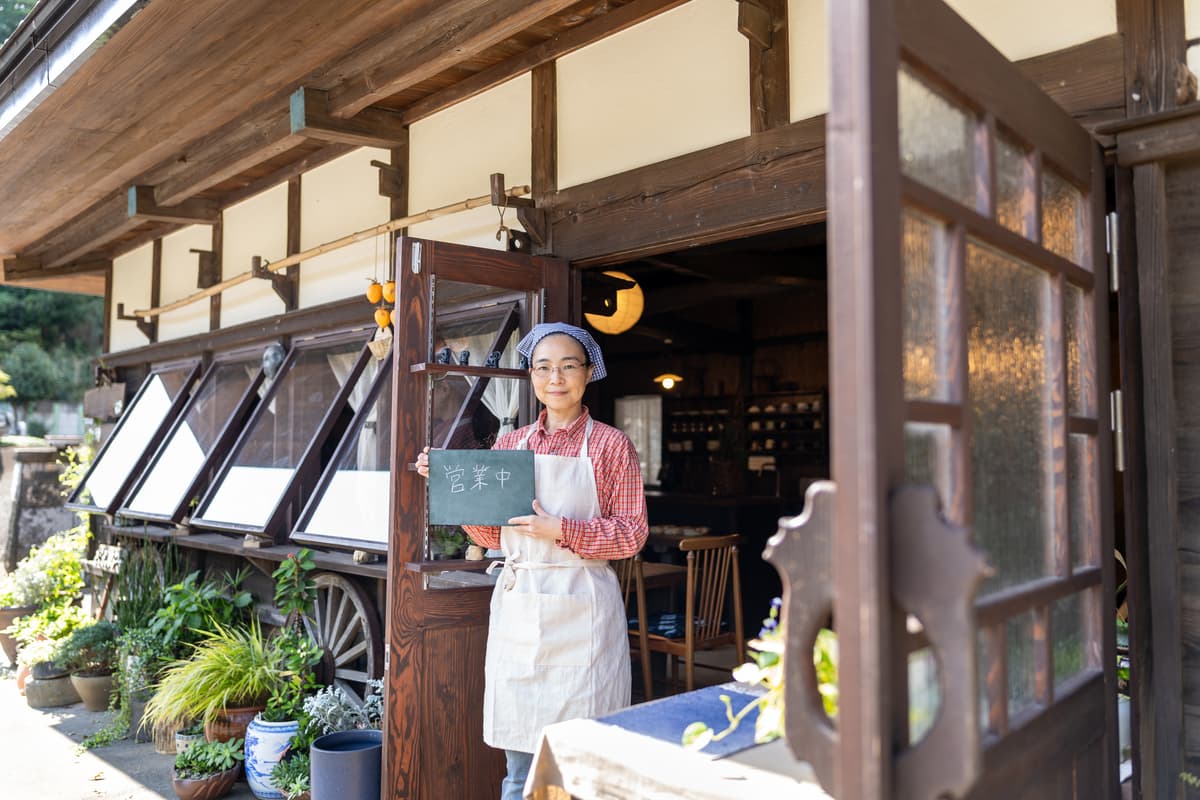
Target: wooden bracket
pixel 500 196
pixel 936 572
pixel 754 22
pixel 391 180
pixel 149 327
pixel 532 218
pixel 209 272
pixel 802 551
pixel 371 127
pixel 286 286
pixel 142 206
pixel 534 221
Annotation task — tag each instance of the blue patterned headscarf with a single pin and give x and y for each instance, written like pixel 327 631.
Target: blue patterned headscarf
pixel 545 329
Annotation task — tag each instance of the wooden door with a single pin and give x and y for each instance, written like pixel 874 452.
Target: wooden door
pixel 968 323
pixel 437 625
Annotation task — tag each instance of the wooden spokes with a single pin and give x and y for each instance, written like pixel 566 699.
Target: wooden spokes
pixel 346 626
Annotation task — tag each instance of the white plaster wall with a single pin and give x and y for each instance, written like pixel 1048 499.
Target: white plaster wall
pixel 1024 28
pixel 674 84
pixel 132 273
pixel 180 269
pixel 1191 26
pixel 452 153
pixel 337 199
pixel 808 59
pixel 256 226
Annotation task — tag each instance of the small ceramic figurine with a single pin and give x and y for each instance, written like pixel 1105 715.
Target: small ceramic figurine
pixel 464 358
pixel 524 362
pixel 493 359
pixel 445 356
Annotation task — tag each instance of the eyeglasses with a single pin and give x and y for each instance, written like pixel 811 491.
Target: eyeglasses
pixel 568 370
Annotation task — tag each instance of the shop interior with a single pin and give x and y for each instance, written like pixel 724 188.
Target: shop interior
pixel 722 382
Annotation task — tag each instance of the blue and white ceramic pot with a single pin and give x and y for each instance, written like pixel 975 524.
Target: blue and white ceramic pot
pixel 266 744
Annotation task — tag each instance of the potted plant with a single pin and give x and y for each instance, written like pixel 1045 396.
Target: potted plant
pixel 189 736
pixel 140 657
pixel 207 770
pixel 49 684
pixel 270 735
pixel 231 674
pixel 346 756
pixel 18 597
pixel 90 653
pixel 291 775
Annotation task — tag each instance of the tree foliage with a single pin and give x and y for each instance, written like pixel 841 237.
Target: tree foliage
pixel 47 342
pixel 11 14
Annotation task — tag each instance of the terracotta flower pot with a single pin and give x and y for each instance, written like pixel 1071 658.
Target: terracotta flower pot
pixel 230 724
pixel 209 788
pixel 23 673
pixel 95 690
pixel 8 614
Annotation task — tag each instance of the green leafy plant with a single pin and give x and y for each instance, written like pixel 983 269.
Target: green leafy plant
pixel 295 590
pixel 90 649
pixel 331 710
pixel 50 624
pixel 52 573
pixel 40 651
pixel 206 759
pixel 298 655
pixel 228 668
pixel 139 587
pixel 194 608
pixel 448 540
pixel 291 775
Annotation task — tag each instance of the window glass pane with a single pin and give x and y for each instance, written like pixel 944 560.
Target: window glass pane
pixel 1062 216
pixel 280 433
pixel 1014 194
pixel 170 475
pixel 1081 499
pixel 924 693
pixel 1007 305
pixel 355 503
pixel 936 141
pixel 1067 628
pixel 640 417
pixel 927 458
pixel 925 308
pixel 1022 664
pixel 138 425
pixel 1081 360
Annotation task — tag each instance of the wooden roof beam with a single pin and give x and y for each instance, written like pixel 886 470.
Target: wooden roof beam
pixel 82 277
pixel 371 127
pixel 568 41
pixel 141 204
pixel 446 34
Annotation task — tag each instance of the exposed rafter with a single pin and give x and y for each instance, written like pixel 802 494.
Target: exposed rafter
pixel 371 127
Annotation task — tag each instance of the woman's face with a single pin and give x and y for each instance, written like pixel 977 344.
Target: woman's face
pixel 559 372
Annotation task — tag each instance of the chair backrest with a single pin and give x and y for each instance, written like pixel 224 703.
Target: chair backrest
pixel 711 561
pixel 626 568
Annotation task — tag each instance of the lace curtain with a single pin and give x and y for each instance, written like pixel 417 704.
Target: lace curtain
pixel 640 417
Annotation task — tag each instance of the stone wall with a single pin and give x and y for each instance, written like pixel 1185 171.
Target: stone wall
pixel 34 500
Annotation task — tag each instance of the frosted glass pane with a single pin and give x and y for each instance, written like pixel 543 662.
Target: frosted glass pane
pixel 1006 312
pixel 176 466
pixel 924 251
pixel 1067 628
pixel 927 457
pixel 1081 497
pixel 1021 664
pixel 1081 359
pixel 1014 196
pixel 1062 217
pixel 936 141
pixel 924 693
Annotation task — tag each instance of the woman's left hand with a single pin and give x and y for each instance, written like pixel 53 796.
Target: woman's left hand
pixel 539 524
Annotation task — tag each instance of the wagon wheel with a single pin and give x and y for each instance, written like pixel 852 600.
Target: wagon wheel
pixel 346 627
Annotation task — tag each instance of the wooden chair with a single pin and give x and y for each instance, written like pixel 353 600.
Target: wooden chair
pixel 711 563
pixel 629 573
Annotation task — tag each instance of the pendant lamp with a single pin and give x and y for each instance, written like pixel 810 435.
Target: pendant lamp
pixel 630 303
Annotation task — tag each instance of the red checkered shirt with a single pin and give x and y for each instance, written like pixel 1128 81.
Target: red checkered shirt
pixel 620 530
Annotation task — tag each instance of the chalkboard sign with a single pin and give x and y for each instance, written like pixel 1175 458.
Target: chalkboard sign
pixel 479 487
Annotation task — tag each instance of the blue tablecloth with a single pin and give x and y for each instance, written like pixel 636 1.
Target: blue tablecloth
pixel 667 718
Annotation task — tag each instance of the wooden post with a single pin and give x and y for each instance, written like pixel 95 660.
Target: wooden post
pixel 1153 32
pixel 769 92
pixel 293 238
pixel 544 153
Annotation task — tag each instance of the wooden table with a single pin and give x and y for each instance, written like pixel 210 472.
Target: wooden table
pixel 660 576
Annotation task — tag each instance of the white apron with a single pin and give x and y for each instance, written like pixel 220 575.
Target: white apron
pixel 557 644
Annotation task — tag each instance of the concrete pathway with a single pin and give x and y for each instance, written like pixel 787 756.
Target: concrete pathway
pixel 40 757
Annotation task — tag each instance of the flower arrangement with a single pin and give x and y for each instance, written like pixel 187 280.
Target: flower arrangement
pixel 767 670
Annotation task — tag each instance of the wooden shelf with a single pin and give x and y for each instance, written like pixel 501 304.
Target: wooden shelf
pixel 430 368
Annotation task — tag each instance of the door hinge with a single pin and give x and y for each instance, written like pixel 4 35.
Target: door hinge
pixel 387 659
pixel 1112 246
pixel 1116 407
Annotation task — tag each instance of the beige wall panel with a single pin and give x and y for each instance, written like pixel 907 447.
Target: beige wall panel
pixel 453 152
pixel 808 54
pixel 180 269
pixel 132 273
pixel 674 84
pixel 337 199
pixel 254 227
pixel 1024 28
pixel 1191 24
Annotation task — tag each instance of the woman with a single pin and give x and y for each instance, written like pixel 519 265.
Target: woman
pixel 557 642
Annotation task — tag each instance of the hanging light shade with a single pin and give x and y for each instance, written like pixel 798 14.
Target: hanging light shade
pixel 668 380
pixel 630 303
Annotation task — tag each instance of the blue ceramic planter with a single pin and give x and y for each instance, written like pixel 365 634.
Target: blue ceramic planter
pixel 266 744
pixel 346 765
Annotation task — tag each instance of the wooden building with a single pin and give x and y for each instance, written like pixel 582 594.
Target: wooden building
pixel 889 215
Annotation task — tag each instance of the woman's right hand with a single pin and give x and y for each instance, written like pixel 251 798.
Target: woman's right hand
pixel 423 463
